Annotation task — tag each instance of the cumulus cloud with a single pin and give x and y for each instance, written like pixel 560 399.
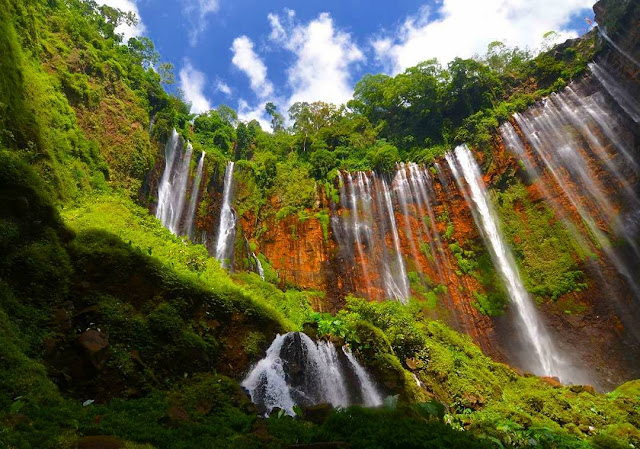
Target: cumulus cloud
pixel 246 59
pixel 464 28
pixel 128 31
pixel 324 57
pixel 197 13
pixel 192 83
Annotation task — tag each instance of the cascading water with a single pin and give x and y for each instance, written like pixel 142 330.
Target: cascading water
pixel 173 184
pixel 227 227
pixel 617 47
pixel 298 371
pixel 366 221
pixel 259 266
pixel 414 191
pixel 370 395
pixel 469 179
pixel 585 151
pixel 617 91
pixel 193 202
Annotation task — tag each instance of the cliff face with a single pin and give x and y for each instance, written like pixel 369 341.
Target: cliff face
pixel 564 178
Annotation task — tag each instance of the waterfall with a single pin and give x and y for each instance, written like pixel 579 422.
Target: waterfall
pixel 617 91
pixel 259 265
pixel 584 149
pixel 366 221
pixel 227 227
pixel 467 174
pixel 616 47
pixel 298 371
pixel 173 184
pixel 370 395
pixel 193 202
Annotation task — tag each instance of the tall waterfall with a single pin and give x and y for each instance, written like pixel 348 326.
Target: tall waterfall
pixel 227 227
pixel 193 201
pixel 576 143
pixel 469 179
pixel 366 223
pixel 298 371
pixel 172 190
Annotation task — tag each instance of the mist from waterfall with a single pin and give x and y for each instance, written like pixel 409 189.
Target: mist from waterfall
pixel 298 371
pixel 227 226
pixel 545 359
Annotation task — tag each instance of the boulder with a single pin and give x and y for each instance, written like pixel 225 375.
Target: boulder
pixel 553 381
pixel 94 344
pixel 317 414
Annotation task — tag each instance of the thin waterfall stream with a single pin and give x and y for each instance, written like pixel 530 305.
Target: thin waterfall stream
pixel 467 174
pixel 227 227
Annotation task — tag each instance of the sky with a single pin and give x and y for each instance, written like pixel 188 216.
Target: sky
pixel 244 53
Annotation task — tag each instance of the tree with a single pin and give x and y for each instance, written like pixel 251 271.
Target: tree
pixel 309 118
pixel 143 51
pixel 383 157
pixel 212 130
pixel 277 120
pixel 505 60
pixel 322 161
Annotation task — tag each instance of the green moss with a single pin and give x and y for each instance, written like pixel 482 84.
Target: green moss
pixel 324 219
pixel 547 254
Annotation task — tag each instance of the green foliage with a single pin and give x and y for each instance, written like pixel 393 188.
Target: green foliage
pixel 215 129
pixel 383 157
pixel 322 161
pixel 547 254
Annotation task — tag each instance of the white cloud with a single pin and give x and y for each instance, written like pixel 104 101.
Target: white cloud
pixel 324 58
pixel 223 87
pixel 464 28
pixel 127 6
pixel 246 59
pixel 196 12
pixel 192 83
pixel 247 113
pixel 277 30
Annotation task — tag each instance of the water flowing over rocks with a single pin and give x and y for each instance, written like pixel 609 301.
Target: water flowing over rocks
pixel 298 371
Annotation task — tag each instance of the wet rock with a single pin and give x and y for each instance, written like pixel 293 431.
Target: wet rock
pixel 94 344
pixel 93 340
pixel 583 388
pixel 553 381
pixel 412 363
pixel 100 442
pixel 317 414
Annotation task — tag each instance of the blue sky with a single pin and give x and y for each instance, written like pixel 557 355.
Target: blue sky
pixel 244 53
